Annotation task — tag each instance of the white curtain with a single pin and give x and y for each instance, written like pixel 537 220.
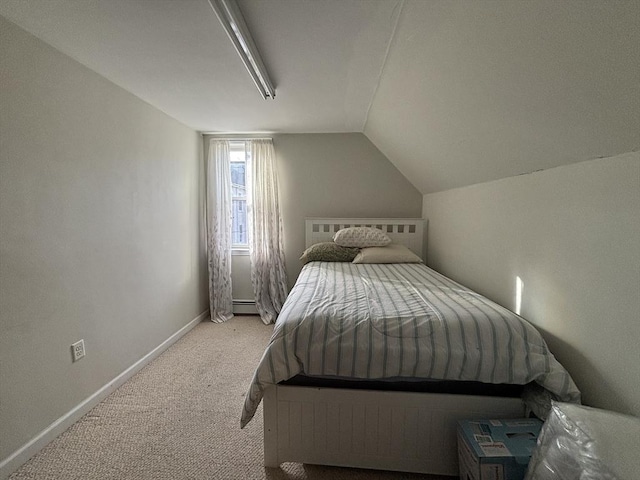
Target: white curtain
pixel 219 231
pixel 268 273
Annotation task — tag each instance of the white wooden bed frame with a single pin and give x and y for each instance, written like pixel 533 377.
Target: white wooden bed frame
pixel 383 430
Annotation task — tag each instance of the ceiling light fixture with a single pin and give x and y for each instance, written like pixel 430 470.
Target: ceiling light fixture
pixel 233 22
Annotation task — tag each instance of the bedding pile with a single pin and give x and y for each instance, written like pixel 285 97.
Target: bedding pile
pixel 400 320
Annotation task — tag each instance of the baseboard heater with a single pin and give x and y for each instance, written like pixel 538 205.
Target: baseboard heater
pixel 244 307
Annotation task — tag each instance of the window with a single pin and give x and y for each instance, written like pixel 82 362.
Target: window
pixel 239 154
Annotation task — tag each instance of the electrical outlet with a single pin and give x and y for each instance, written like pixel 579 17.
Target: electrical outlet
pixel 77 350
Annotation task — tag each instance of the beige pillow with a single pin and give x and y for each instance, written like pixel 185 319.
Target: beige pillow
pixel 393 253
pixel 361 237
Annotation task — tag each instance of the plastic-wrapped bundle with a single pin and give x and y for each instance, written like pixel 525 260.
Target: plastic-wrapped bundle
pixel 583 443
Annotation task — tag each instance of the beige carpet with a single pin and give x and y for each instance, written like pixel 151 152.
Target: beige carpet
pixel 178 418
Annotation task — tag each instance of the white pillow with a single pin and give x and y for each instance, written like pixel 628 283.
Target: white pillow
pixel 361 237
pixel 394 253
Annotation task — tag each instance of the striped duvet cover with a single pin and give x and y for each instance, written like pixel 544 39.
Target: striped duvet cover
pixel 376 321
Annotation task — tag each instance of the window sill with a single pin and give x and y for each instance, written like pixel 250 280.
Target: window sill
pixel 240 252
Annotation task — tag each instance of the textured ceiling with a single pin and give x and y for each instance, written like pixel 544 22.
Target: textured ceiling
pixel 452 92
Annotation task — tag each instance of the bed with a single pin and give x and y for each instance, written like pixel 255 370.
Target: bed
pixel 356 328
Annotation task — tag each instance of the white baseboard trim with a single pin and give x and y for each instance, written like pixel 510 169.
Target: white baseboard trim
pixel 37 443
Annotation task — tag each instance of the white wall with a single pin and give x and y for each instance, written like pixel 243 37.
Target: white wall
pixel 100 232
pixel 572 235
pixel 336 175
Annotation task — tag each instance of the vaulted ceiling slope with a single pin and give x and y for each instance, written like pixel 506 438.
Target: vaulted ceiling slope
pixel 477 91
pixel 324 57
pixel 452 92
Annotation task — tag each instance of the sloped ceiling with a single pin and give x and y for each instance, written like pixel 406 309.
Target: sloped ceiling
pixel 324 57
pixel 452 92
pixel 474 91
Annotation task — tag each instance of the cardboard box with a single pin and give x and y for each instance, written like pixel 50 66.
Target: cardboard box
pixel 496 449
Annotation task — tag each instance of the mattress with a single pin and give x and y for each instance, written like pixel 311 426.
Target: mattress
pixel 395 321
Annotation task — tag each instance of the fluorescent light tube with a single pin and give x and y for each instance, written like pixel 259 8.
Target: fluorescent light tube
pixel 233 22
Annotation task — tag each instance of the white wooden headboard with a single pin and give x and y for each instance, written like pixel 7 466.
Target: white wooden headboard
pixel 406 231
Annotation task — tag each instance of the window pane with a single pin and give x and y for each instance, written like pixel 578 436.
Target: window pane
pixel 238 153
pixel 239 227
pixel 238 176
